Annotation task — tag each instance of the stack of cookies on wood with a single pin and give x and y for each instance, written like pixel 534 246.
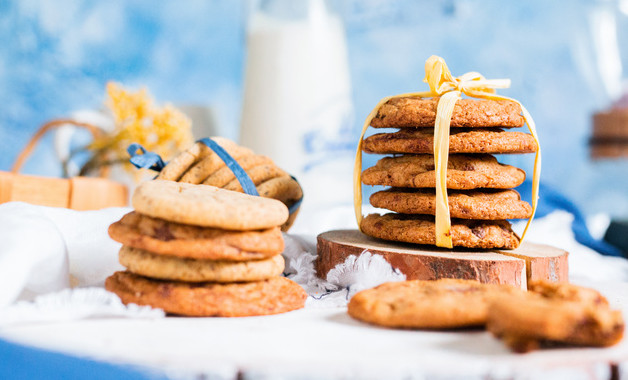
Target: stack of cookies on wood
pixel 203 251
pixel 479 187
pixel 200 165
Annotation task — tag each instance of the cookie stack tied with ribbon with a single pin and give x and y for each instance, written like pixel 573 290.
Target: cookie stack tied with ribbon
pixel 202 164
pixel 203 251
pixel 447 188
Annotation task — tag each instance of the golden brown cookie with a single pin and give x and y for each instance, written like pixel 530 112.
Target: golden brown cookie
pixel 167 238
pixel 556 314
pixel 258 175
pixel 273 296
pixel 209 164
pixel 471 204
pixel 174 268
pixel 207 206
pixel 467 140
pixel 184 160
pixel 420 229
pixel 224 175
pixel 440 304
pixel 464 171
pixel 413 112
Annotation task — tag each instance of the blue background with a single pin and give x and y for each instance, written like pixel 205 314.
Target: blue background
pixel 56 56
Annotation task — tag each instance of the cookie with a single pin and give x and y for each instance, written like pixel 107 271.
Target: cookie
pixel 168 238
pixel 224 175
pixel 165 267
pixel 273 296
pixel 464 140
pixel 413 112
pixel 440 304
pixel 285 189
pixel 198 172
pixel 258 175
pixel 184 160
pixel 554 314
pixel 207 206
pixel 471 204
pixel 464 172
pixel 420 229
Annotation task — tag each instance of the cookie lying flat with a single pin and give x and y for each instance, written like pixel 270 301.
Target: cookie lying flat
pixel 168 238
pixel 207 206
pixel 440 304
pixel 460 141
pixel 463 172
pixel 420 229
pixel 413 112
pixel 472 204
pixel 175 268
pixel 553 315
pixel 273 296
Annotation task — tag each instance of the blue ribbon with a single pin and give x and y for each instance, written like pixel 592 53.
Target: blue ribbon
pixel 151 160
pixel 551 199
pixel 145 160
pixel 245 181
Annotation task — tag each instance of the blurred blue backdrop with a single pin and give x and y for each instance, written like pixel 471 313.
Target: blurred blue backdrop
pixel 56 57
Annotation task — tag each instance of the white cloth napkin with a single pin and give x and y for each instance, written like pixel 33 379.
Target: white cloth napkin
pixel 44 249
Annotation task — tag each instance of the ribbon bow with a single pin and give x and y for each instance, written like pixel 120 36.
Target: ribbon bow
pixel 449 88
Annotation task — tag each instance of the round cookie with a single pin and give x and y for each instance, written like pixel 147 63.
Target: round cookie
pixel 184 160
pixel 472 204
pixel 165 267
pixel 207 206
pixel 285 189
pixel 420 229
pixel 464 171
pixel 273 296
pixel 413 112
pixel 478 140
pixel 554 313
pixel 224 175
pixel 198 172
pixel 168 238
pixel 440 304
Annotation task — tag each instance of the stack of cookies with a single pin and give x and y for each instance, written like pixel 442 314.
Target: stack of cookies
pixel 479 187
pixel 203 251
pixel 200 165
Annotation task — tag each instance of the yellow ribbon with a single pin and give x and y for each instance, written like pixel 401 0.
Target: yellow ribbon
pixel 442 83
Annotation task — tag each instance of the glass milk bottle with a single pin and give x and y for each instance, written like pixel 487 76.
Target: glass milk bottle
pixel 297 103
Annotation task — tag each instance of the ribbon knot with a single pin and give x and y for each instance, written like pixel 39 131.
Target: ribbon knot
pixel 474 84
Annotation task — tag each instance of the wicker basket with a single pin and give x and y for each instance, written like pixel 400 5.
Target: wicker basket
pixel 78 193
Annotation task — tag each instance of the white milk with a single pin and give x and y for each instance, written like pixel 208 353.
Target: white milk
pixel 297 103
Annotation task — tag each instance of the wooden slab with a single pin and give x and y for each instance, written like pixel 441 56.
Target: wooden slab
pixel 528 262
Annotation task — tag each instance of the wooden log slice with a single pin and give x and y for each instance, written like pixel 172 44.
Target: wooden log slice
pixel 516 267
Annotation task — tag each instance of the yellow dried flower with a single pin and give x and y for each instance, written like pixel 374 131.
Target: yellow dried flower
pixel 164 130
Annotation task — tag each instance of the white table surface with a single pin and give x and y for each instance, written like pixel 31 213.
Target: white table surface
pixel 317 343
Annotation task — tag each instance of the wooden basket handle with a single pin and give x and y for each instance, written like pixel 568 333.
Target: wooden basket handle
pixel 54 124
